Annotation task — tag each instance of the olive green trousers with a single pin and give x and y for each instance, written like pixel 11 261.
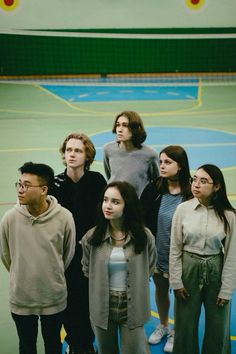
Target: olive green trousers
pixel 202 279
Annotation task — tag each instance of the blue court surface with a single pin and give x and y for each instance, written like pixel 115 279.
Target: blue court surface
pixel 201 145
pixel 154 321
pixel 99 93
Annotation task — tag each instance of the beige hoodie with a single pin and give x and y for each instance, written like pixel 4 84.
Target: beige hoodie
pixel 36 251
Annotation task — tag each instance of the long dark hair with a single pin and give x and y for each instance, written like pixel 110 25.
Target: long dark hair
pixel 179 155
pixel 219 201
pixel 132 217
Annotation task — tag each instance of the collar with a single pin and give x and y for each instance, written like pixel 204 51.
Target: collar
pixel 108 236
pixel 197 204
pixel 68 179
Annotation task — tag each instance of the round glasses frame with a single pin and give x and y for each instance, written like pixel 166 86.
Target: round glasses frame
pixel 202 181
pixel 25 187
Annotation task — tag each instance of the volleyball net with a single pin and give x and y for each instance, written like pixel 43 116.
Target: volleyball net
pixel 90 56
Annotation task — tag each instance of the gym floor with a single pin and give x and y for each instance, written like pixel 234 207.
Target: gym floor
pixel 36 116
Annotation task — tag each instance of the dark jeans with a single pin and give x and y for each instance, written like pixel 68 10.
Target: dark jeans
pixel 27 329
pixel 76 316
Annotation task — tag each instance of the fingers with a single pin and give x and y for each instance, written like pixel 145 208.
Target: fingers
pixel 185 295
pixel 221 302
pixel 181 294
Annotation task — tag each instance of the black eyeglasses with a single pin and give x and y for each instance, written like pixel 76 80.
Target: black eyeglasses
pixel 202 181
pixel 25 187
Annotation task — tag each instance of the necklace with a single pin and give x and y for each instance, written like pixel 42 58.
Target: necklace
pixel 118 239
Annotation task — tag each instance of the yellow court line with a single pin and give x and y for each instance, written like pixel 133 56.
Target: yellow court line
pixel 155 314
pixel 189 127
pixel 190 111
pixel 232 168
pixel 196 145
pixel 108 113
pixel 73 106
pixel 151 145
pixel 84 112
pixel 172 126
pixel 63 334
pixel 28 149
pixel 44 113
pixel 199 97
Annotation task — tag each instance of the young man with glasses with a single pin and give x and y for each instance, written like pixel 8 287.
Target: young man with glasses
pixel 37 241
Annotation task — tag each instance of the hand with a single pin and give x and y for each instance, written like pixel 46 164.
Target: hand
pixel 221 302
pixel 181 294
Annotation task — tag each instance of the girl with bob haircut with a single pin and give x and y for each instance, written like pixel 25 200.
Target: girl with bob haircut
pixel 119 256
pixel 203 264
pixel 127 159
pixel 160 199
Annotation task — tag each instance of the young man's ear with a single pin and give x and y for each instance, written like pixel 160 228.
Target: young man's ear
pixel 45 190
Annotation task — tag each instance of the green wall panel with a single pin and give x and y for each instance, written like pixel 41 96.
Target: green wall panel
pixel 45 55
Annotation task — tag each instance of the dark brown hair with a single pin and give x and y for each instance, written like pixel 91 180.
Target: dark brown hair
pixel 132 217
pixel 178 154
pixel 136 127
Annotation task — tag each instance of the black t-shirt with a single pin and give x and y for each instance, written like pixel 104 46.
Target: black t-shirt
pixel 81 198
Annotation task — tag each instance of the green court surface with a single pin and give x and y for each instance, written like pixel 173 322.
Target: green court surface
pixel 34 121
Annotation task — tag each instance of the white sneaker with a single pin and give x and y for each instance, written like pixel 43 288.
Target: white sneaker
pixel 168 348
pixel 159 333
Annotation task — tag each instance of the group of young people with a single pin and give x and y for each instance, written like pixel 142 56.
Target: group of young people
pixel 81 249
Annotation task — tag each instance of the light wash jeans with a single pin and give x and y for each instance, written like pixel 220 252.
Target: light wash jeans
pixel 118 338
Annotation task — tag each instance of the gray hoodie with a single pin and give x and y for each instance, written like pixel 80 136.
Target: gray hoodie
pixel 36 251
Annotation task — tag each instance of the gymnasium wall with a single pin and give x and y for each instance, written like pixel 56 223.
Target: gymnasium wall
pixel 85 14
pixel 39 37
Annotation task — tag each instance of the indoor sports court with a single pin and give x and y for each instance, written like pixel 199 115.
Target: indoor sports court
pixel 77 78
